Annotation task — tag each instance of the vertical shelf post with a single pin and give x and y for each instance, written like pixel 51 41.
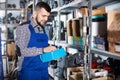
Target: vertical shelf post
pixel 87 43
pixel 89 37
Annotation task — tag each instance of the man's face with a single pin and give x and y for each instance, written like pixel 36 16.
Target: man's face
pixel 42 16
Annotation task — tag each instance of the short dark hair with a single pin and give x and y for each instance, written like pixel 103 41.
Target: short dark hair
pixel 43 5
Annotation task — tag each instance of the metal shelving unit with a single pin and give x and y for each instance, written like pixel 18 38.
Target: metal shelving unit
pixel 98 4
pixel 88 51
pixel 67 9
pixel 64 44
pixel 74 5
pixel 106 53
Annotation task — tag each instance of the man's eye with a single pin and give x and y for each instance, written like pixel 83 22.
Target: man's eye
pixel 44 15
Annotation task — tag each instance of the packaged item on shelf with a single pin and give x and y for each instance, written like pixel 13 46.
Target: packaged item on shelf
pixel 101 43
pixel 69 28
pixel 100 73
pixel 69 32
pixel 99 28
pixel 76 31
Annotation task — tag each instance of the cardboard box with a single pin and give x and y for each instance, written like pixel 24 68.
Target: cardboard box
pixel 111 47
pixel 113 26
pixel 74 69
pixel 98 11
pixel 114 47
pixel 76 77
pixel 74 72
pixel 83 11
pixel 103 78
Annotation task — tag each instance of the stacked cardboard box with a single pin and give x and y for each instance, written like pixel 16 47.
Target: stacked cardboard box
pixel 114 31
pixel 76 73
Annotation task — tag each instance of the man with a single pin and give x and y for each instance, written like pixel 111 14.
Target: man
pixel 33 41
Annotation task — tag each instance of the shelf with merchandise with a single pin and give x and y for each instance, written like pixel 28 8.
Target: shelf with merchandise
pixel 70 6
pixel 65 44
pixel 109 5
pixel 80 3
pixel 105 53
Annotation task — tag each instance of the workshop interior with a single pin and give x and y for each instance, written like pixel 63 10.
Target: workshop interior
pixel 85 33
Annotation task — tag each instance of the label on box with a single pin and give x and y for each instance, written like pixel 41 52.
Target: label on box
pixel 117 47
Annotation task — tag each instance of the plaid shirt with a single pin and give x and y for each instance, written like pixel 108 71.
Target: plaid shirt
pixel 22 40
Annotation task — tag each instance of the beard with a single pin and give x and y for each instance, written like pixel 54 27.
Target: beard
pixel 38 22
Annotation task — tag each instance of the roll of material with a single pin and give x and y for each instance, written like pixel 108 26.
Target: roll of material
pixel 49 56
pixel 69 28
pixel 76 28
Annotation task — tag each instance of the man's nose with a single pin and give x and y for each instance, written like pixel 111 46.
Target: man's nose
pixel 46 18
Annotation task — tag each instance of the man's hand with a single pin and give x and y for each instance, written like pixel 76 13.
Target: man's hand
pixel 49 49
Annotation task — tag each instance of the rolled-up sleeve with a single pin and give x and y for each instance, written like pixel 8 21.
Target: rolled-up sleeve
pixel 22 39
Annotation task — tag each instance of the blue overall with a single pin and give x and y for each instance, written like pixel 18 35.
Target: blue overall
pixel 32 67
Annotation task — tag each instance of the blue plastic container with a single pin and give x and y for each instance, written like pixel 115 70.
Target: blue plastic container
pixel 53 55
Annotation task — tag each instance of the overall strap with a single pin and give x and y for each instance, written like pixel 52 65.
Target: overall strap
pixel 44 30
pixel 31 28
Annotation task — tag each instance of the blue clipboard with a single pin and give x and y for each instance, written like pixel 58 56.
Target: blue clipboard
pixel 48 56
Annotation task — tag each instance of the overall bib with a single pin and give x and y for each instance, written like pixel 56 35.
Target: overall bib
pixel 32 67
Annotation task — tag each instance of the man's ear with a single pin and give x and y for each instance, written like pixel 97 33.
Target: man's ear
pixel 35 14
